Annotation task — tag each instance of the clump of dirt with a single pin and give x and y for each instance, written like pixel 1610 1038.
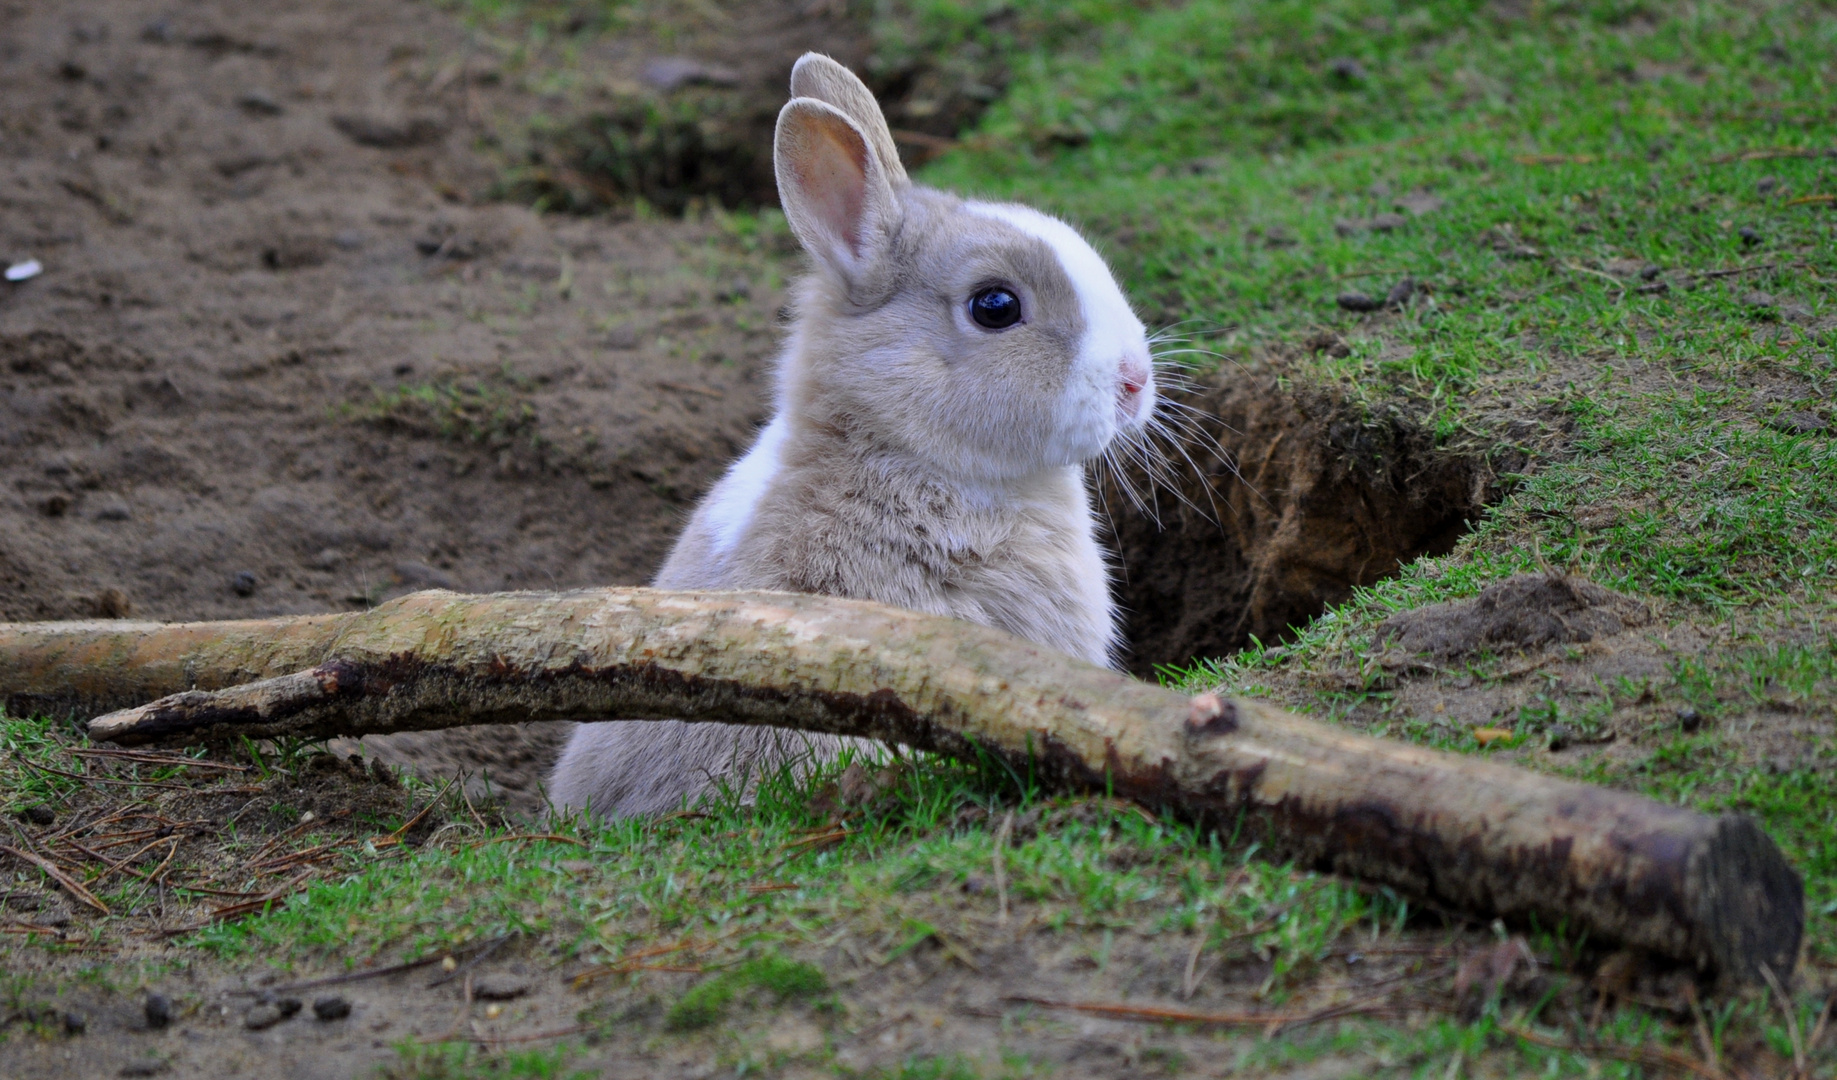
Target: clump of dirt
pixel 1306 499
pixel 1521 612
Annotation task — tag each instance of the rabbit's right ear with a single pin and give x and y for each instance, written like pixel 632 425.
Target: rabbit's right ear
pixel 820 77
pixel 835 190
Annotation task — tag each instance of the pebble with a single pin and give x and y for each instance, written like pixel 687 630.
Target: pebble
pixel 499 987
pixel 264 1016
pixel 75 1023
pixel 331 1008
pixel 1749 235
pixel 1357 301
pixel 667 73
pixel 243 583
pixel 1400 293
pixel 260 101
pixel 52 917
pixel 1560 737
pixel 1345 67
pixel 113 510
pixel 1388 222
pixel 1689 719
pixel 39 815
pixel 159 1011
pixel 419 573
pixel 1798 423
pixel 145 1067
pixel 1757 299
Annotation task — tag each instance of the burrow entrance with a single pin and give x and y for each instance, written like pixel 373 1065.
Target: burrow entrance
pixel 1326 497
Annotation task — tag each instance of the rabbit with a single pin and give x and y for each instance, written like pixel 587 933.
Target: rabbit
pixel 950 369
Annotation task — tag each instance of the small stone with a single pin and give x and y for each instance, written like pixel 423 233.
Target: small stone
pixel 1649 272
pixel 1388 222
pixel 1419 203
pixel 1560 737
pixel 158 1008
pixel 260 102
pixel 1357 301
pixel 52 918
pixel 1689 719
pixel 419 573
pixel 1757 299
pixel 1766 185
pixel 55 505
pixel 144 1067
pixel 1400 293
pixel 1346 69
pixel 328 559
pixel 75 1023
pixel 974 886
pixel 737 289
pixel 111 604
pixel 331 1008
pixel 39 815
pixel 667 73
pixel 1798 423
pixel 113 509
pixel 264 1016
pixel 1750 236
pixel 349 240
pixel 499 987
pixel 243 583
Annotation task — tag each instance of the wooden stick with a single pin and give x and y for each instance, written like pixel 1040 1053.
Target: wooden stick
pixel 71 885
pixel 1453 831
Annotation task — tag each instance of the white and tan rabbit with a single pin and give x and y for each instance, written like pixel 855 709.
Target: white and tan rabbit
pixel 951 368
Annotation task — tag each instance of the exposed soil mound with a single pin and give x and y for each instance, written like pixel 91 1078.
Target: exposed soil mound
pixel 1309 501
pixel 1522 612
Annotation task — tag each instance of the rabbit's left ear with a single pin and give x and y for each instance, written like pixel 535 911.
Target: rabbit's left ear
pixel 835 189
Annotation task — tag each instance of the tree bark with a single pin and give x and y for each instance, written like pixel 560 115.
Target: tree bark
pixel 1456 831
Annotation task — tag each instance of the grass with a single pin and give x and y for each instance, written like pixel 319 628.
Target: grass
pixel 1555 168
pixel 491 411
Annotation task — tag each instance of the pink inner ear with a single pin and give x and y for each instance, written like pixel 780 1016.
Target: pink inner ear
pixel 833 175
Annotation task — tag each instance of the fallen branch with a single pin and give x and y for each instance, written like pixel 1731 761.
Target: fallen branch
pixel 1161 1014
pixel 1454 831
pixel 71 885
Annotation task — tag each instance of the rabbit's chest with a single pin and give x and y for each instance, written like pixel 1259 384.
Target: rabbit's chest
pixel 1034 570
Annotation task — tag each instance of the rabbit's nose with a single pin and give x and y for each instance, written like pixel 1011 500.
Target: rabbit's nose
pixel 1134 375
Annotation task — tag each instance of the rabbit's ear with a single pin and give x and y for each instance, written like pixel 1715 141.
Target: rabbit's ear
pixel 834 189
pixel 817 76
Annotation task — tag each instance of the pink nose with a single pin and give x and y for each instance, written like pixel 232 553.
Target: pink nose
pixel 1135 376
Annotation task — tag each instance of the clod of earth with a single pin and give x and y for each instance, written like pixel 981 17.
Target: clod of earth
pixel 1453 831
pixel 1522 612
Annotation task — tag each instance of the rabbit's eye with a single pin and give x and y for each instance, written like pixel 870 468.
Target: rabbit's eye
pixel 995 309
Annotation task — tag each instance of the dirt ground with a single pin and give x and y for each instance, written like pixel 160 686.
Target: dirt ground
pixel 285 356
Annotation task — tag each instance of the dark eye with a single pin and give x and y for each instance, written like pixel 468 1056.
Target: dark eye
pixel 995 309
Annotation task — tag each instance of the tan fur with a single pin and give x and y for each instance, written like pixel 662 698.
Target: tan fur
pixel 918 462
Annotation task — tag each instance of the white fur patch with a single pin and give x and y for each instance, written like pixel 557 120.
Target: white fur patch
pixel 731 504
pixel 1111 330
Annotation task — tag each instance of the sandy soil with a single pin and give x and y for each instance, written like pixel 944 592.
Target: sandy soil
pixel 285 357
